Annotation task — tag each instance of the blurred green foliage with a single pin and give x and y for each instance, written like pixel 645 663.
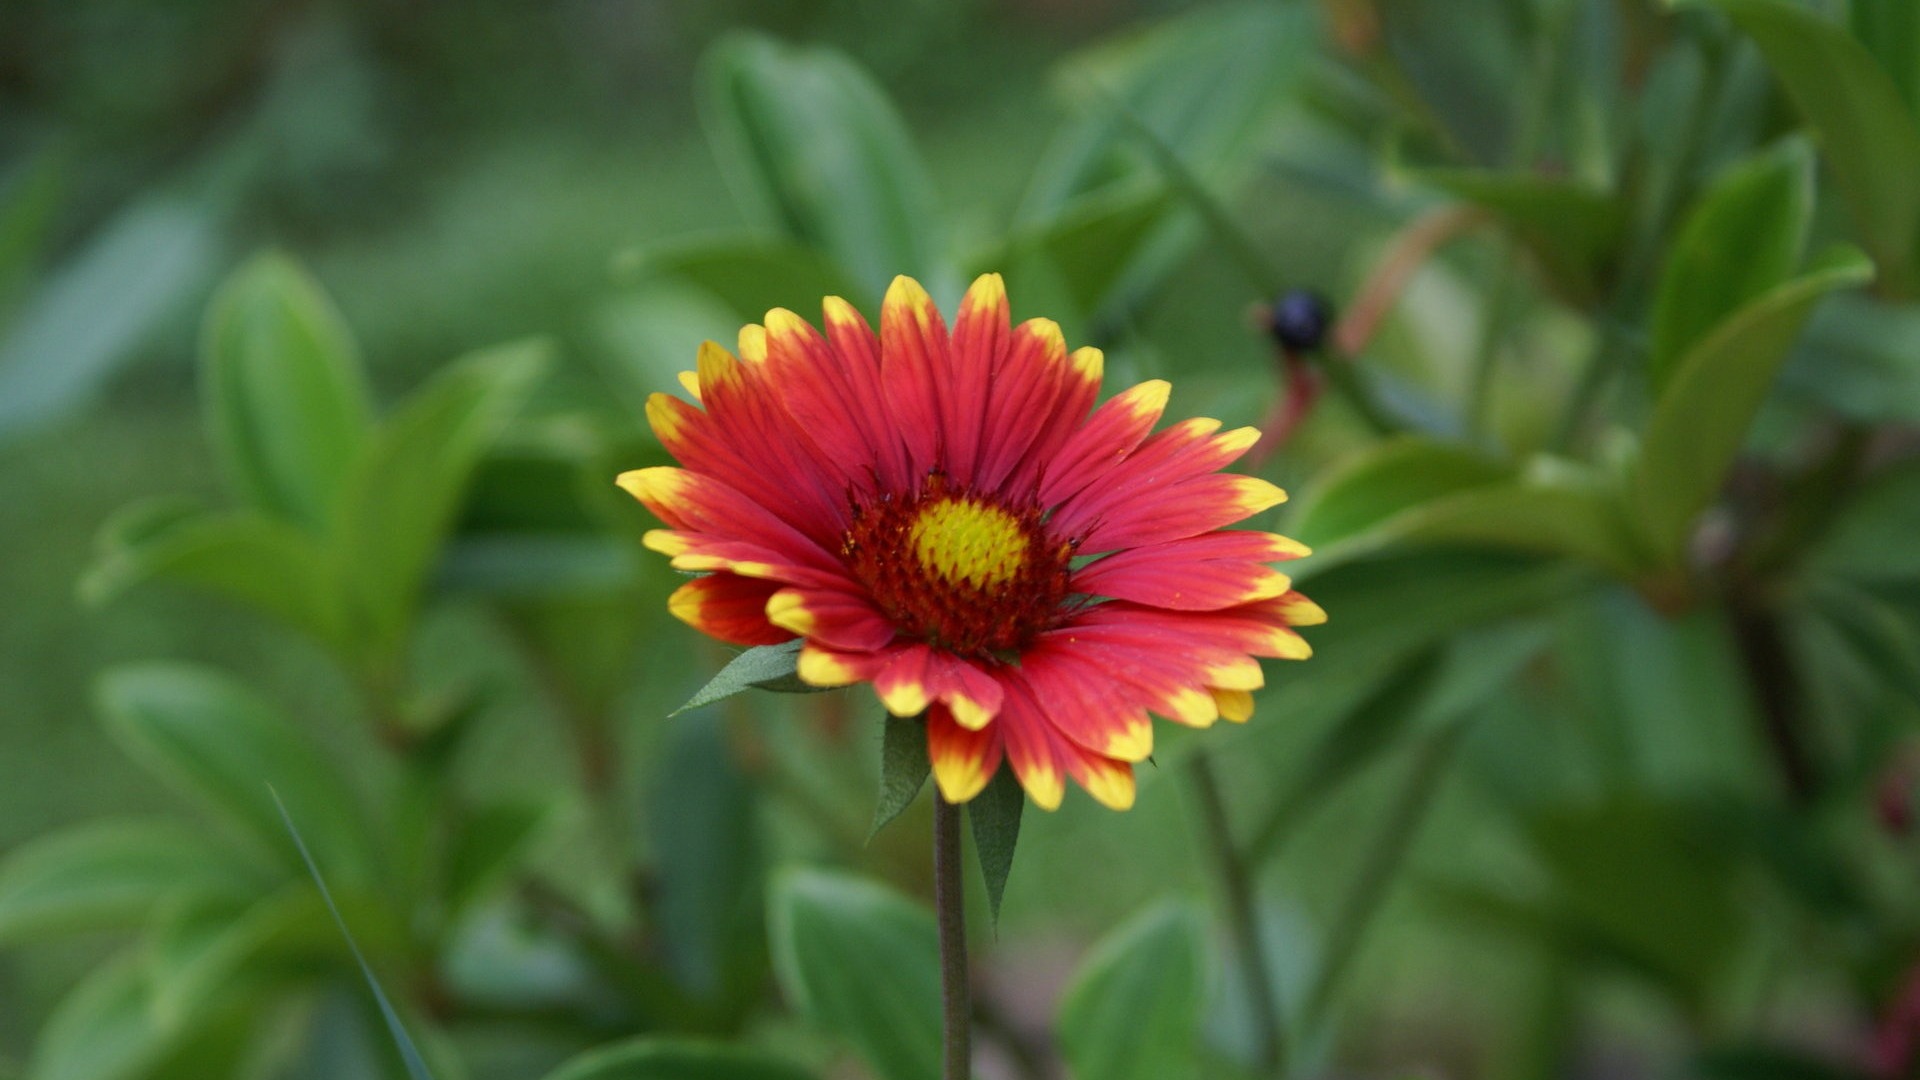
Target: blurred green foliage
pixel 1607 755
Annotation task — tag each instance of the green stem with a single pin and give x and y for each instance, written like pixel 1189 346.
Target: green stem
pixel 1236 889
pixel 949 900
pixel 1381 866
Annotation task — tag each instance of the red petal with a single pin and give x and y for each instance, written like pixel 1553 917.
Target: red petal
pixel 841 619
pixel 915 371
pixel 728 607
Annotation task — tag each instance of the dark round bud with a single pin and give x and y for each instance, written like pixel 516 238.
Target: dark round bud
pixel 1300 319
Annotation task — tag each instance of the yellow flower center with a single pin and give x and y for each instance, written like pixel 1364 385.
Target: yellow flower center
pixel 963 541
pixel 969 572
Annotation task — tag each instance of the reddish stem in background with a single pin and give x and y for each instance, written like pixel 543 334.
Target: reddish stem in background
pixel 1295 401
pixel 1411 249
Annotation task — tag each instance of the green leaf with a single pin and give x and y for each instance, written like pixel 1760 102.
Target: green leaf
pixel 994 816
pixel 1575 231
pixel 1861 357
pixel 652 1057
pixel 762 667
pixel 705 835
pixel 1868 135
pixel 1642 877
pixel 1890 29
pixel 97 310
pixel 1877 634
pixel 1743 238
pixel 1414 491
pixel 1871 538
pixel 815 148
pixel 402 500
pixel 861 963
pixel 1700 421
pixel 221 744
pixel 1200 83
pixel 489 842
pixel 105 1029
pixel 1079 259
pixel 112 875
pixel 1132 1011
pixel 409 1054
pixel 285 396
pixel 202 949
pixel 267 564
pixel 904 766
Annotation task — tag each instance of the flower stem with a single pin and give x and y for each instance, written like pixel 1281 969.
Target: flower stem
pixel 949 902
pixel 1236 889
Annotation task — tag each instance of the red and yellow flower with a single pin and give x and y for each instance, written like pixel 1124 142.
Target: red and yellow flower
pixel 948 517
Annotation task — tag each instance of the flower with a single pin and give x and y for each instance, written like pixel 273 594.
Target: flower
pixel 948 517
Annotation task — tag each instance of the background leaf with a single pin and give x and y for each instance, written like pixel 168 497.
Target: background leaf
pixel 814 147
pixel 286 399
pixel 263 563
pixel 1744 237
pixel 1868 135
pixel 406 489
pixel 101 307
pixel 1133 1008
pixel 861 963
pixel 702 815
pixel 222 745
pixel 112 875
pixel 1701 420
pixel 655 1058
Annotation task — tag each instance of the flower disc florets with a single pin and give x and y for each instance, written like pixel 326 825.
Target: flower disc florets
pixel 960 571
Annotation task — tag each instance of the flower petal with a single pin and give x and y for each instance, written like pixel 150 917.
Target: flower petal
pixel 915 371
pixel 1114 430
pixel 963 759
pixel 841 619
pixel 728 607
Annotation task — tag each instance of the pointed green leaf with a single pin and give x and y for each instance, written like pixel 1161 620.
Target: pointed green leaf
pixel 407 487
pixel 1744 237
pixel 861 963
pixel 285 395
pixel 1868 135
pixel 809 142
pixel 904 766
pixel 113 875
pixel 1132 1011
pixel 763 667
pixel 994 815
pixel 1700 422
pixel 221 744
pixel 655 1058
